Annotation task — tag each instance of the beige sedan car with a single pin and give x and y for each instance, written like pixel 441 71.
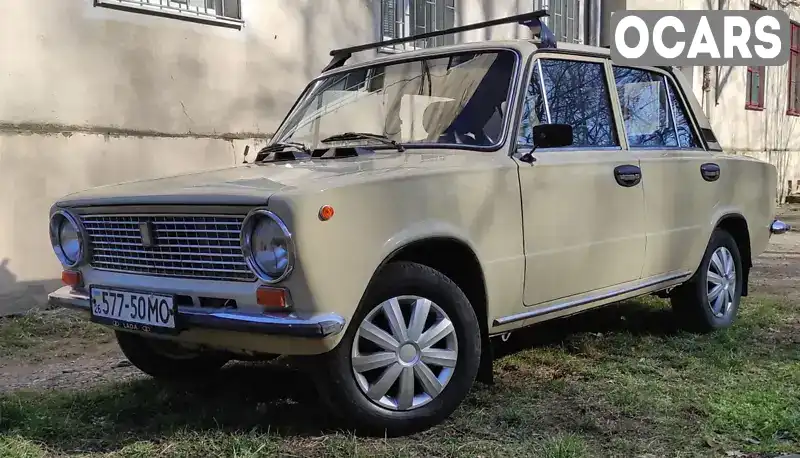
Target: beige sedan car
pixel 414 206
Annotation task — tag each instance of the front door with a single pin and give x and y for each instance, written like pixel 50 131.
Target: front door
pixel 583 205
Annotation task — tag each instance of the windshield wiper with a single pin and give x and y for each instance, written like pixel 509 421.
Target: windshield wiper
pixel 364 135
pixel 279 146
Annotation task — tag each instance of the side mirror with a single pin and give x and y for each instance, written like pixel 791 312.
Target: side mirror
pixel 552 135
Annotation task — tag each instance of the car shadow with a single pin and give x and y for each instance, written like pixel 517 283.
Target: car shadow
pixel 275 398
pixel 272 397
pixel 635 318
pixel 266 398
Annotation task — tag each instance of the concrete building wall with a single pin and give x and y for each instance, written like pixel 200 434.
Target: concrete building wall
pixel 93 96
pixel 770 134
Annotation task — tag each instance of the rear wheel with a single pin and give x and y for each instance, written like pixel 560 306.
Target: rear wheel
pixel 409 357
pixel 165 359
pixel 710 299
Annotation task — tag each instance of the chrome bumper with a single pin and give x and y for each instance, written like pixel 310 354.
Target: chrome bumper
pixel 779 227
pixel 318 326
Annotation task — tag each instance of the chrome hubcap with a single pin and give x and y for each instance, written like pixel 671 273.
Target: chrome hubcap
pixel 404 353
pixel 721 284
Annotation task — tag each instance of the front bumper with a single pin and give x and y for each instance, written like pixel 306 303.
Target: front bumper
pixel 275 324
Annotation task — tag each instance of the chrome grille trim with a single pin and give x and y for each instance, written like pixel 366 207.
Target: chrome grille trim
pixel 187 245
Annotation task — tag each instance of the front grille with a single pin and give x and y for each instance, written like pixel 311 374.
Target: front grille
pixel 188 246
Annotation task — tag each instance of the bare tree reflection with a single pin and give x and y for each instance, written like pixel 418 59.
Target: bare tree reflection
pixel 577 94
pixel 653 114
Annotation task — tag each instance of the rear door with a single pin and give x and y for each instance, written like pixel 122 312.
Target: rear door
pixel 583 205
pixel 680 175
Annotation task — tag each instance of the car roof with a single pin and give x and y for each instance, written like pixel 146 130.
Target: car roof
pixel 525 47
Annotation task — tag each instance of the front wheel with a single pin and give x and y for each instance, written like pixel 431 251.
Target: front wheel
pixel 409 357
pixel 710 299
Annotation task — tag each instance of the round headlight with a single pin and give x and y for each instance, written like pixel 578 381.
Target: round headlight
pixel 66 238
pixel 267 245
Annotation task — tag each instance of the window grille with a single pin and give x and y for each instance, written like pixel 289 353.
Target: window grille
pixel 565 20
pixel 403 18
pixel 214 10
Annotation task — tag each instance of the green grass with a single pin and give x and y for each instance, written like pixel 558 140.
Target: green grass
pixel 41 332
pixel 620 381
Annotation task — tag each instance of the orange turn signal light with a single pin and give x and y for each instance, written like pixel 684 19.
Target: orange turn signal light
pixel 71 278
pixel 325 212
pixel 271 298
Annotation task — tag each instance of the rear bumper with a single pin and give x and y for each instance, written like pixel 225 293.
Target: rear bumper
pixel 779 227
pixel 287 325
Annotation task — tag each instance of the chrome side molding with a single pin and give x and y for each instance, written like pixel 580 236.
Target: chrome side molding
pixel 779 227
pixel 661 280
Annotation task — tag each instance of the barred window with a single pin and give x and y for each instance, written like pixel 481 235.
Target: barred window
pixel 794 72
pixel 228 11
pixel 756 80
pixel 404 18
pixel 565 20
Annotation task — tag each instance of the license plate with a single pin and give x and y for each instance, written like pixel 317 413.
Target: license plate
pixel 137 311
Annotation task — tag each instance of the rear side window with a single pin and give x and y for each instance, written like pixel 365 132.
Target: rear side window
pixel 575 93
pixel 686 136
pixel 652 113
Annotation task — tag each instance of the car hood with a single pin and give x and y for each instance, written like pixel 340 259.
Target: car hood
pixel 253 184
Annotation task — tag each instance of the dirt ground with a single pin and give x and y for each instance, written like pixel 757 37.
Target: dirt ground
pixel 76 363
pixel 777 270
pixel 97 365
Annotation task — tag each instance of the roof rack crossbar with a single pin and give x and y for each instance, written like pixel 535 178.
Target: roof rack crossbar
pixel 340 56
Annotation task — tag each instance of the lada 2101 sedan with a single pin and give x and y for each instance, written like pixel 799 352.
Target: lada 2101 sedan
pixel 412 207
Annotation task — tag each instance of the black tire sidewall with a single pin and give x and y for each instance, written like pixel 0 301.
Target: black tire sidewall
pixel 339 384
pixel 719 238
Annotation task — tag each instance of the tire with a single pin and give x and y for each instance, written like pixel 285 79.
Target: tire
pixel 345 390
pixel 152 356
pixel 691 302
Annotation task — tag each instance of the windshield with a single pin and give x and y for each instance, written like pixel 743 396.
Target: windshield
pixel 456 99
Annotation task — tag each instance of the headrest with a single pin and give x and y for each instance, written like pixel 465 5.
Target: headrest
pixel 435 113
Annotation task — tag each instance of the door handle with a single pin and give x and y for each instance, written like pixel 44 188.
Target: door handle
pixel 628 175
pixel 710 171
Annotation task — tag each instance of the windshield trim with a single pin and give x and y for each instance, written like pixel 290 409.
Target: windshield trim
pixel 513 90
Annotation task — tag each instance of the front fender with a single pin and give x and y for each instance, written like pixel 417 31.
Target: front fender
pixel 373 218
pixel 413 233
pixel 423 230
pixel 337 259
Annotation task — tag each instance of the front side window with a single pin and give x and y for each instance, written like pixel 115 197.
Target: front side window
pixel 652 113
pixel 456 99
pixel 575 93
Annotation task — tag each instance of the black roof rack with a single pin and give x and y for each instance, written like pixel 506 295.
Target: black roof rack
pixel 531 19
